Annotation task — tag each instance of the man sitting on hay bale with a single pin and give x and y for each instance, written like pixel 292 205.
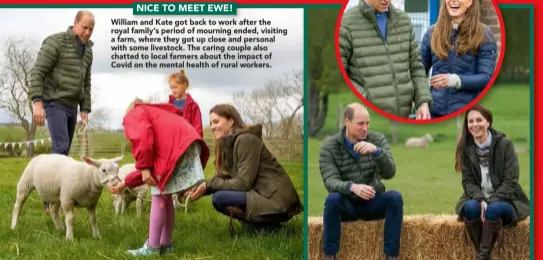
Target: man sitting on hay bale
pixel 352 164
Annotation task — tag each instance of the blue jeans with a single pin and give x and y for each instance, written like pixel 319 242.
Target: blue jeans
pixel 494 211
pixel 226 198
pixel 339 208
pixel 61 121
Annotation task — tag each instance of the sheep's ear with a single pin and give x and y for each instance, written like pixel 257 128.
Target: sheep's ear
pixel 91 161
pixel 118 159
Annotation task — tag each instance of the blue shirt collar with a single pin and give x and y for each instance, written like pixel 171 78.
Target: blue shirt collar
pixel 373 9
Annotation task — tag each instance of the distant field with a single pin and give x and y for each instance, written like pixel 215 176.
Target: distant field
pixel 426 177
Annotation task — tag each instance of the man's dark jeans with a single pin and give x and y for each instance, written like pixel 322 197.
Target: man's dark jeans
pixel 339 208
pixel 61 121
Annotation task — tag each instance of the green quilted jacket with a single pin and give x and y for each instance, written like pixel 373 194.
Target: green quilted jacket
pixel 390 74
pixel 339 168
pixel 61 73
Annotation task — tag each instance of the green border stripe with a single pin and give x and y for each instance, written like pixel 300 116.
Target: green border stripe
pixel 306 139
pixel 248 6
pixel 532 130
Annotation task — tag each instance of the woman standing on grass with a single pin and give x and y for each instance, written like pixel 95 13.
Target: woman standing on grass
pixel 461 52
pixel 490 172
pixel 170 157
pixel 250 184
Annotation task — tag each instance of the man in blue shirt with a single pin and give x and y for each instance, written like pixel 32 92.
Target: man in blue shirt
pixel 352 164
pixel 381 57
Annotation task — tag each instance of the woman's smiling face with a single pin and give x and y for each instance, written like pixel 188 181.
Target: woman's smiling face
pixel 458 8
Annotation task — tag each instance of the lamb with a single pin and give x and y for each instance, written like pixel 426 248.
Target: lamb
pixel 66 183
pixel 123 200
pixel 419 142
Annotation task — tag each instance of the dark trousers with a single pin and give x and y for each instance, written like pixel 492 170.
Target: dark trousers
pixel 339 208
pixel 61 121
pixel 226 198
pixel 494 211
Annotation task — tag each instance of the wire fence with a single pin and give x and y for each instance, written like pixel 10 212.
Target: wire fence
pixel 111 144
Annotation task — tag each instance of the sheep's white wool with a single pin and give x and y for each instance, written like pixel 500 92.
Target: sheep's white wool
pixel 419 142
pixel 66 183
pixel 123 200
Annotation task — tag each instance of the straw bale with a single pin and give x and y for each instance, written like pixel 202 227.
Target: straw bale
pixel 435 237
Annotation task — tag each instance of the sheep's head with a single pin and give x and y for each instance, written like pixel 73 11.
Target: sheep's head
pixel 429 137
pixel 108 169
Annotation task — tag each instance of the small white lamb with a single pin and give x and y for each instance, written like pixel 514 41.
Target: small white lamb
pixel 419 142
pixel 123 200
pixel 67 183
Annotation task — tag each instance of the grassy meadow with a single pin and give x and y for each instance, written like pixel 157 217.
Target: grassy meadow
pixel 201 234
pixel 426 177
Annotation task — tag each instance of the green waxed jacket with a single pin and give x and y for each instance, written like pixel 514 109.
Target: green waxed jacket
pixel 504 176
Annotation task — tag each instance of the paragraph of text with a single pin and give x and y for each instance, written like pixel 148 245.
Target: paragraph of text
pixel 193 43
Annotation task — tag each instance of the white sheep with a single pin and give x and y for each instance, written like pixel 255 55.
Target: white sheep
pixel 67 183
pixel 123 200
pixel 419 142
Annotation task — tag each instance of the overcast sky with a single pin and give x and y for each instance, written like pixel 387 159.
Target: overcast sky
pixel 119 86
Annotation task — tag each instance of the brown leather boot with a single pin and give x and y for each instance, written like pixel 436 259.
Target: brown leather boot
pixel 234 212
pixel 491 229
pixel 474 229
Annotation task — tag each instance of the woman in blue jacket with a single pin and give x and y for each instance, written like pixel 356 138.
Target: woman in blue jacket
pixel 461 52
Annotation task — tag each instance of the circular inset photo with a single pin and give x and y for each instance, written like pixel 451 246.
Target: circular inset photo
pixel 420 61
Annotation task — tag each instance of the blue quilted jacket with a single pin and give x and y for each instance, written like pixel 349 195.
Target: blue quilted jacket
pixel 475 72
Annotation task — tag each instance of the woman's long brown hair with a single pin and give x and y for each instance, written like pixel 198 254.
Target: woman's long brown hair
pixel 471 32
pixel 466 136
pixel 229 112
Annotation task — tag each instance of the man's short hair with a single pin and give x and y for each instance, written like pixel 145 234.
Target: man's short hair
pixel 349 112
pixel 82 13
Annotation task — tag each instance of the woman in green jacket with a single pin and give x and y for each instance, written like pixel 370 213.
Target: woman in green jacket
pixel 250 184
pixel 490 172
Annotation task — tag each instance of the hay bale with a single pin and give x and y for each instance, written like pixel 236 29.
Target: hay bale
pixel 423 237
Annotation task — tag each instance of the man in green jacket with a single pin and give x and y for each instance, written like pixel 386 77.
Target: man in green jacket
pixel 61 81
pixel 352 164
pixel 380 54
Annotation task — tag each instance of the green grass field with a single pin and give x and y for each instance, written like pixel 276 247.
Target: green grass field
pixel 426 177
pixel 201 234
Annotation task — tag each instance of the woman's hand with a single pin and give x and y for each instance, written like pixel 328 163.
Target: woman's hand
pixel 199 192
pixel 483 210
pixel 440 81
pixel 147 178
pixel 117 188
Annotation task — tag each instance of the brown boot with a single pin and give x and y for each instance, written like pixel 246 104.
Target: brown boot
pixel 491 229
pixel 474 229
pixel 234 212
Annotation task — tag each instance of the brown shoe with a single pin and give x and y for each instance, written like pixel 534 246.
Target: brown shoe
pixel 234 212
pixel 474 230
pixel 491 229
